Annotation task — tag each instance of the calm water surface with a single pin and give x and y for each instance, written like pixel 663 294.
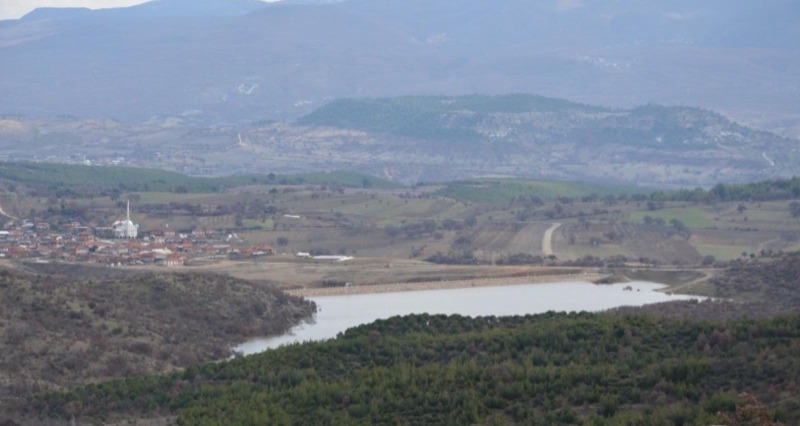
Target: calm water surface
pixel 338 313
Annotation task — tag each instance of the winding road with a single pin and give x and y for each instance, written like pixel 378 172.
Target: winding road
pixel 3 212
pixel 707 274
pixel 547 239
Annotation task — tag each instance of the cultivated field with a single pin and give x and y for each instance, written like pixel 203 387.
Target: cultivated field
pixel 428 233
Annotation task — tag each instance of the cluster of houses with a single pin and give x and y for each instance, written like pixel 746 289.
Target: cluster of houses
pixel 75 242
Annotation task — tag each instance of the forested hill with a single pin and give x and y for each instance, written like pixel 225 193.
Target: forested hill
pixel 533 136
pixel 537 120
pixel 436 117
pixel 432 138
pixel 61 325
pixel 433 370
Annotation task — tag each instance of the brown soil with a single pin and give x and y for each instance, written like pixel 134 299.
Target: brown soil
pixel 446 284
pixel 290 273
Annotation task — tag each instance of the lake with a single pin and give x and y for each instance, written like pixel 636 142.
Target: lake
pixel 338 313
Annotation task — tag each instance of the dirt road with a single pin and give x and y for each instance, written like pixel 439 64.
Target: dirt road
pixel 706 275
pixel 3 212
pixel 547 239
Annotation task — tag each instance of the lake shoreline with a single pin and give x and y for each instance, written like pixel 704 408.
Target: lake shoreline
pixel 445 284
pixel 498 297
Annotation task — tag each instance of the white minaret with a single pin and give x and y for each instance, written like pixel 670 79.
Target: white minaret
pixel 131 229
pixel 126 228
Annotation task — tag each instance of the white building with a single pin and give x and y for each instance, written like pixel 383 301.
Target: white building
pixel 126 228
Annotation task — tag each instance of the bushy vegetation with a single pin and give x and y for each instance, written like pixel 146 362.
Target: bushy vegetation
pixel 497 191
pixel 772 280
pixel 432 117
pixel 341 178
pixel 478 119
pixel 689 216
pixel 78 180
pixel 423 369
pixel 778 189
pixel 759 287
pixel 68 179
pixel 510 190
pixel 669 127
pixel 64 325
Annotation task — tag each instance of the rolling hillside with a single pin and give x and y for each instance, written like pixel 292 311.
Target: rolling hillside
pixel 223 61
pixel 435 138
pixel 433 369
pixel 533 136
pixel 71 178
pixel 68 324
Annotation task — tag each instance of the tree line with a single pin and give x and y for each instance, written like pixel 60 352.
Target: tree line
pixel 554 368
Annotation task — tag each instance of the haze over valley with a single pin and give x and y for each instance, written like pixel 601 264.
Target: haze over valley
pixel 217 61
pixel 418 139
pixel 186 185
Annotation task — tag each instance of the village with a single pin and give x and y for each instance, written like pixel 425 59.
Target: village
pixel 120 244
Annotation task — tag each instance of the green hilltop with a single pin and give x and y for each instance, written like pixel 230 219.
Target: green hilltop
pixel 433 117
pixel 531 119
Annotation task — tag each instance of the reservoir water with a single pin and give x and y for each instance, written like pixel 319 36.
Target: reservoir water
pixel 338 313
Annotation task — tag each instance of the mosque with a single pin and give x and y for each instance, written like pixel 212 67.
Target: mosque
pixel 126 228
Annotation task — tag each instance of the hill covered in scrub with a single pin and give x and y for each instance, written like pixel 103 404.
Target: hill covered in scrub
pixel 423 369
pixel 415 139
pixel 437 118
pixel 64 326
pixel 534 136
pixel 769 280
pixel 761 287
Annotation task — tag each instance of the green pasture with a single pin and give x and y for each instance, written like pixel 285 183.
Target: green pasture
pixel 723 252
pixel 692 217
pixel 393 211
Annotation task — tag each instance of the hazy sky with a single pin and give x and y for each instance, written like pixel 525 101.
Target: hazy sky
pixel 13 9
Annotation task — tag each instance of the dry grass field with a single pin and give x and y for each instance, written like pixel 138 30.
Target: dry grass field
pixel 390 233
pixel 291 273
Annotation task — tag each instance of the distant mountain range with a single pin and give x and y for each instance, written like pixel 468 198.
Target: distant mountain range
pixel 213 61
pixel 154 9
pixel 434 138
